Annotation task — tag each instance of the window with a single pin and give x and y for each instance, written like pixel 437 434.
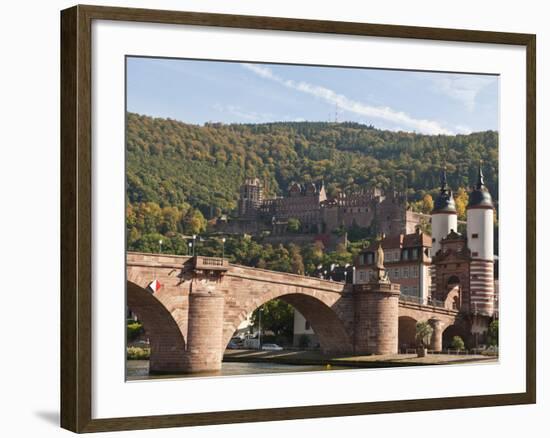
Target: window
pixel 405 272
pixel 475 254
pixel 414 271
pixel 475 236
pixel 405 254
pixel 415 253
pixel 433 239
pixel 396 273
pixel 370 258
pixel 405 290
pixel 362 276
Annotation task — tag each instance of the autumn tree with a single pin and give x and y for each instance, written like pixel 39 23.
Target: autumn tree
pixel 461 202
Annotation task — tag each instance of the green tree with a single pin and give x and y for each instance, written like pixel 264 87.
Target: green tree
pixel 457 343
pixel 423 333
pixel 492 333
pixel 194 222
pixel 294 225
pixel 277 317
pixel 296 260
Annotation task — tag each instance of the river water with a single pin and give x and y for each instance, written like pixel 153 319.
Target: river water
pixel 139 369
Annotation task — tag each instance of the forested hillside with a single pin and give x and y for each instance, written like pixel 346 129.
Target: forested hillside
pixel 172 163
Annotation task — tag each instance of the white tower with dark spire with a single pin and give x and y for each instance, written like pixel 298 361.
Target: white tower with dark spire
pixel 480 221
pixel 444 218
pixel 480 228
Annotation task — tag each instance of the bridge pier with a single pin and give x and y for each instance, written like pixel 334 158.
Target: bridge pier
pixel 376 318
pixel 436 343
pixel 204 332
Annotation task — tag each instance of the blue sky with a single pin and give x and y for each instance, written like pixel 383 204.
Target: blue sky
pixel 229 92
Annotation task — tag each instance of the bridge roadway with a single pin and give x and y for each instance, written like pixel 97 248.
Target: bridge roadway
pixel 203 300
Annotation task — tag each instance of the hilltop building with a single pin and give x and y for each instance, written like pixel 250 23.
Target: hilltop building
pixel 383 213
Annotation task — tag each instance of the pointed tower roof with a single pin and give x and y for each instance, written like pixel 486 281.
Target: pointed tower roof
pixel 480 196
pixel 444 202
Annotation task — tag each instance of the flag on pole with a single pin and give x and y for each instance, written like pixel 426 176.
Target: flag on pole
pixel 154 286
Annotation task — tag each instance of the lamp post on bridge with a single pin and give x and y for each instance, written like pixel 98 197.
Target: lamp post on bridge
pixel 260 328
pixel 194 240
pixel 223 247
pixel 160 246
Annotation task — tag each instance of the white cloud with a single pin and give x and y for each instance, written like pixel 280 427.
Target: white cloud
pixel 463 129
pixel 463 88
pixel 241 113
pixel 354 106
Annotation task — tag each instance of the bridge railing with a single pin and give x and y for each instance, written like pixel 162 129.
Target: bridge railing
pixel 421 301
pixel 211 263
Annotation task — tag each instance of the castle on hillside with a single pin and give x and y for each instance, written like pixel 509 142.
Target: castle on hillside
pixel 372 209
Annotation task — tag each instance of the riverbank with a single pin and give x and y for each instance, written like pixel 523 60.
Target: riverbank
pixel 315 358
pixel 139 370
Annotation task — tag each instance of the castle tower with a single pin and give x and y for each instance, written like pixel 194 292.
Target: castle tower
pixel 480 225
pixel 250 198
pixel 444 218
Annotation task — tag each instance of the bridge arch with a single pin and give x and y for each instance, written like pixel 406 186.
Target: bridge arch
pixel 406 332
pixel 452 330
pixel 166 340
pixel 319 311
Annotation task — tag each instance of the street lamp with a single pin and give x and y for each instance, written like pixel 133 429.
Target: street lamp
pixel 160 246
pixel 189 248
pixel 223 247
pixel 194 238
pixel 260 328
pixel 353 275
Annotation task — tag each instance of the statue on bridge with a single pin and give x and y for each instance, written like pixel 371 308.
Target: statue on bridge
pixel 380 273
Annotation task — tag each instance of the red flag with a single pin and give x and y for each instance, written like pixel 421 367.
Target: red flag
pixel 154 286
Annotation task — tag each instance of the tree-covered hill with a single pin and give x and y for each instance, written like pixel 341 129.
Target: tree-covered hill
pixel 172 163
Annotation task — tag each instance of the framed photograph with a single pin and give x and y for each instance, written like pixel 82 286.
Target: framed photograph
pixel 341 214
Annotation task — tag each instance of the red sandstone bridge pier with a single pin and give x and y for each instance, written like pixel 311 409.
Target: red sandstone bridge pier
pixel 203 300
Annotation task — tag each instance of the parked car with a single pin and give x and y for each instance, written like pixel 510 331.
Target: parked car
pixel 271 347
pixel 232 345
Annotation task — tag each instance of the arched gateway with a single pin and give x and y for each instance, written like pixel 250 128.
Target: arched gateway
pixel 202 300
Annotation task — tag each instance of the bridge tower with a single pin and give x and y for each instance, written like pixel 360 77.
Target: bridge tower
pixel 377 312
pixel 444 218
pixel 480 243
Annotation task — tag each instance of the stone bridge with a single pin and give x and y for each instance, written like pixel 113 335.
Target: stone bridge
pixel 202 300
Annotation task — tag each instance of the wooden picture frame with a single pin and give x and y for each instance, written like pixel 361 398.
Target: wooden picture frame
pixel 76 218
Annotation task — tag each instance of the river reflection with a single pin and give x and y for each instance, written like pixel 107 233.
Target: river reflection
pixel 139 369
